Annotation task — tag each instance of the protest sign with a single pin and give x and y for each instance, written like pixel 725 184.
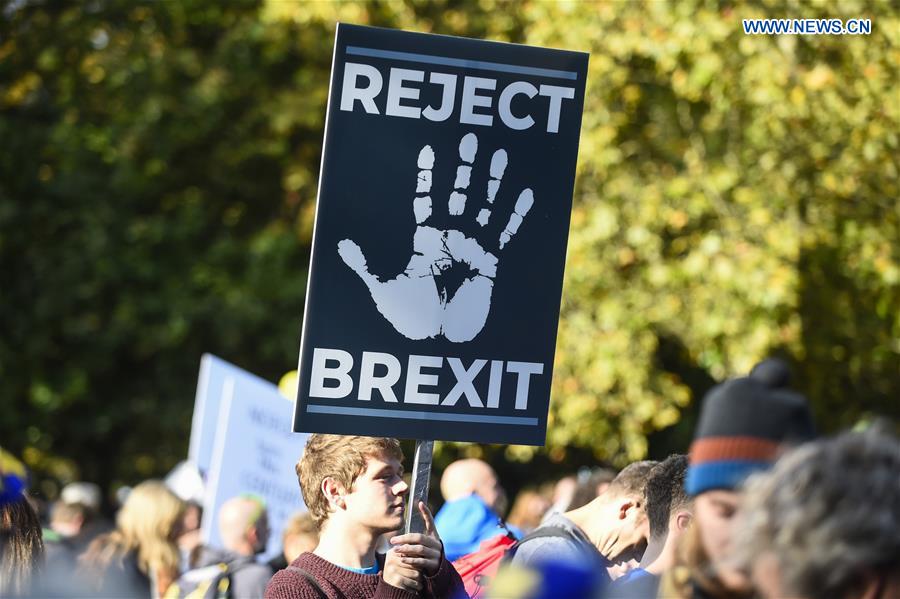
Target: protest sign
pixel 440 238
pixel 254 452
pixel 213 374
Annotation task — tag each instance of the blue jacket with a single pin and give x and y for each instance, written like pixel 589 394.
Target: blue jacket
pixel 463 524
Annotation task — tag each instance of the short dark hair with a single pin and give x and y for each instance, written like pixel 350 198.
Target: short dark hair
pixel 630 482
pixel 665 493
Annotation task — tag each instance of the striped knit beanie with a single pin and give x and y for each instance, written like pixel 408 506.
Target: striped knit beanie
pixel 743 424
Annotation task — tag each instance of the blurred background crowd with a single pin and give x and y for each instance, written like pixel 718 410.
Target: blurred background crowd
pixel 760 506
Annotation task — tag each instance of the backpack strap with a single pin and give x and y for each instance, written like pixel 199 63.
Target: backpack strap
pixel 221 587
pixel 545 531
pixel 538 533
pixel 311 579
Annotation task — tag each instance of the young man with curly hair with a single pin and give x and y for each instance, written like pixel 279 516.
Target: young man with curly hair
pixel 355 492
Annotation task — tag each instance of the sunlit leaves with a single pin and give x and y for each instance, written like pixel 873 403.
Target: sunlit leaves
pixel 713 166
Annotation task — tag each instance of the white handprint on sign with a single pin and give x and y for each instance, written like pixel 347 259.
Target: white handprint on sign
pixel 413 302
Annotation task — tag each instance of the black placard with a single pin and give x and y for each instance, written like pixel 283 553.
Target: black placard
pixel 440 238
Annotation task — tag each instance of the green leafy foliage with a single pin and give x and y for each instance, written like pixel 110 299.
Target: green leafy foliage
pixel 736 197
pixel 158 162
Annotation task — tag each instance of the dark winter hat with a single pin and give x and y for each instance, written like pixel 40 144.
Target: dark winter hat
pixel 743 425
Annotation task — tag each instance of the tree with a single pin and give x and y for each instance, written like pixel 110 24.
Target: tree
pixel 735 197
pixel 156 191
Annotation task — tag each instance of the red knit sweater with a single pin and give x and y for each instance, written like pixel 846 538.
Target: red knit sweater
pixel 339 583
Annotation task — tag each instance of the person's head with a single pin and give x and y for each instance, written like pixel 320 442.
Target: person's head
pixel 83 493
pixel 67 519
pixel 616 521
pixel 528 510
pixel 244 525
pixel 669 513
pixel 188 535
pixel 465 477
pixel 356 481
pixel 825 522
pixel 563 492
pixel 299 536
pixel 192 517
pixel 668 505
pixel 21 546
pixel 591 485
pixel 744 425
pixel 147 524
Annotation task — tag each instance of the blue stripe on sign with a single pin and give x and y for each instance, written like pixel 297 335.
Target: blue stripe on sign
pixel 460 62
pixel 415 415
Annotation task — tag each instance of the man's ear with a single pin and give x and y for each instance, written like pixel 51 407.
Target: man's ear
pixel 624 506
pixel 334 493
pixel 253 535
pixel 683 521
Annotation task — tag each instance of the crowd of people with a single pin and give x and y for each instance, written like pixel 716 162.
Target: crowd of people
pixel 759 506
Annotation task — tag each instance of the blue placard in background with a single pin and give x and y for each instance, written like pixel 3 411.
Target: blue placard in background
pixel 253 451
pixel 440 240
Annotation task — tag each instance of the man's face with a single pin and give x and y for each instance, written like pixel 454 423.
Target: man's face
pixel 714 514
pixel 624 563
pixel 377 496
pixel 262 532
